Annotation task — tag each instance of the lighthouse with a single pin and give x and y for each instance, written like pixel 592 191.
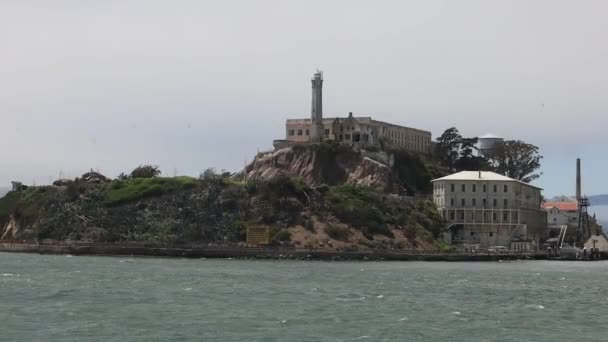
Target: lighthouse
pixel 316 112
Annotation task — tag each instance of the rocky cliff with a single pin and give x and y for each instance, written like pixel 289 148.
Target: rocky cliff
pixel 325 163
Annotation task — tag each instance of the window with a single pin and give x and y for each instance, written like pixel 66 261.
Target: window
pixel 340 137
pixel 326 132
pixel 452 187
pixel 291 132
pixel 494 216
pixel 307 132
pixel 452 202
pixel 299 132
pixel 495 188
pixel 485 188
pixel 491 234
pixel 474 201
pixel 462 215
pixel 347 136
pixel 505 188
pixel 505 216
pixel 472 233
pixel 452 216
pixel 463 202
pixel 474 187
pixel 463 188
pixel 485 203
pixel 506 203
pixel 495 203
pixel 555 219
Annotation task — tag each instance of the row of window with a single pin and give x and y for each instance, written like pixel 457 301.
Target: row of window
pixel 484 202
pixel 292 132
pixel 413 142
pixel 484 188
pixel 505 216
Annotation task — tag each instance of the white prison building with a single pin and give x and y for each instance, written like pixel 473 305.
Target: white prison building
pixel 487 209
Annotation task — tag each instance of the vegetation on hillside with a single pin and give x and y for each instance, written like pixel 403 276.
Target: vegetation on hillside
pixel 214 210
pixel 415 172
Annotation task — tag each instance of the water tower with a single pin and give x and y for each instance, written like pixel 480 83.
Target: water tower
pixel 487 142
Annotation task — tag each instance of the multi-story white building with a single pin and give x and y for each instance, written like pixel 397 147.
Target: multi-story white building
pixel 488 209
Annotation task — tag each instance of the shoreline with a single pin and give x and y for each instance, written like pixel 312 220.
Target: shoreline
pixel 276 253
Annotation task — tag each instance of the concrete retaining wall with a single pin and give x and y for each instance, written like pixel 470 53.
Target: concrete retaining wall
pixel 258 253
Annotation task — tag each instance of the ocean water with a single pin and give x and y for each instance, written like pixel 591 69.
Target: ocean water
pixel 62 298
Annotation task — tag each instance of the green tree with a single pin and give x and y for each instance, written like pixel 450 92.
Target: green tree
pixel 468 160
pixel 209 175
pixel 516 159
pixel 145 171
pixel 448 147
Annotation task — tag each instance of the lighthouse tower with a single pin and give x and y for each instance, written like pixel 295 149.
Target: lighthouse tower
pixel 316 113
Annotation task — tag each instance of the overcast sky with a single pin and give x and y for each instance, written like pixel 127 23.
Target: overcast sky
pixel 188 85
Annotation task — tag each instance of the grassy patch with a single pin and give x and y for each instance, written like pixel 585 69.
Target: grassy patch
pixel 119 192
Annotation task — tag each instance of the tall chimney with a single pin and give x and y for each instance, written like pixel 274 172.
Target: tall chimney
pixel 578 179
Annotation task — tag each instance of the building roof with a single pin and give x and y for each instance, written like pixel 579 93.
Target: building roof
pixel 480 176
pixel 489 136
pixel 563 206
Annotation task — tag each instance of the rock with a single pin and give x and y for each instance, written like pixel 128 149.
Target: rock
pixel 10 230
pixel 63 182
pixel 94 177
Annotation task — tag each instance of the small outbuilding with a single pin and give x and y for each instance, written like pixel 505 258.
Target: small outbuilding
pixel 597 241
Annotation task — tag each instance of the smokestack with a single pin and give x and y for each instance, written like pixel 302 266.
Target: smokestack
pixel 578 179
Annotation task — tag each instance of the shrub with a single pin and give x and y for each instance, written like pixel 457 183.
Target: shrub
pixel 281 187
pixel 337 232
pixel 444 247
pixel 282 236
pixel 323 188
pixel 210 175
pixel 145 171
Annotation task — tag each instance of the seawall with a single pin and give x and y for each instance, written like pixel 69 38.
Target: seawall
pixel 255 252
